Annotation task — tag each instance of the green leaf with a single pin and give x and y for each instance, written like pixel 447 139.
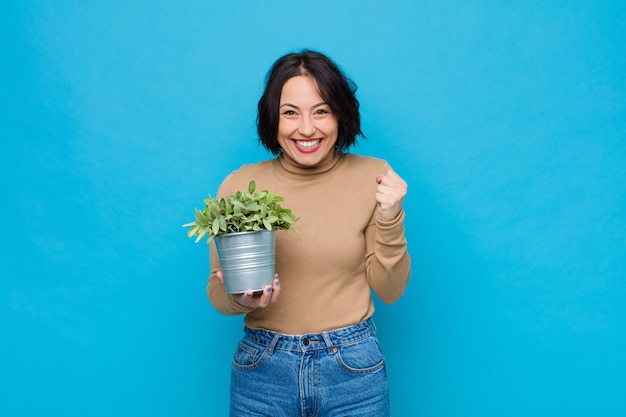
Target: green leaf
pixel 216 226
pixel 260 196
pixel 253 207
pixel 200 236
pixel 287 218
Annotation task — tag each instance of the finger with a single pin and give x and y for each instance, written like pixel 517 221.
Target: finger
pixel 246 299
pixel 276 291
pixel 391 178
pixel 220 276
pixel 390 193
pixel 386 178
pixel 393 175
pixel 263 298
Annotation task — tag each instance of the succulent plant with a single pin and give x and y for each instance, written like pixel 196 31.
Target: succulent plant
pixel 246 211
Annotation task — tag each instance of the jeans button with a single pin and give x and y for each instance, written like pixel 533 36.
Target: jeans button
pixel 305 342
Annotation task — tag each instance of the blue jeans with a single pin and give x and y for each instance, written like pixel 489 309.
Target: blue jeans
pixel 336 373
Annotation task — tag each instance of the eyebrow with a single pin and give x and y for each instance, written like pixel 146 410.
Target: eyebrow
pixel 323 103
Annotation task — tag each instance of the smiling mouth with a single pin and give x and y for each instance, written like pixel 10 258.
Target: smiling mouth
pixel 308 145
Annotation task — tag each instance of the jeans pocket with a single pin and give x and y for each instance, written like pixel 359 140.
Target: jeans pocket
pixel 362 357
pixel 248 356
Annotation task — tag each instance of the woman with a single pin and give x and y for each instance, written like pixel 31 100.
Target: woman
pixel 309 346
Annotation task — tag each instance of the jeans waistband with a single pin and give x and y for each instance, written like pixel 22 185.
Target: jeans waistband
pixel 324 340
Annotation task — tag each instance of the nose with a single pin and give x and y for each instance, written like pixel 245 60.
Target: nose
pixel 306 128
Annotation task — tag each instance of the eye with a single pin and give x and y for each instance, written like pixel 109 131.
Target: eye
pixel 323 111
pixel 289 113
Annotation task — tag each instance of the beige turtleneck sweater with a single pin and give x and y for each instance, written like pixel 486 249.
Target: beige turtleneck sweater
pixel 342 252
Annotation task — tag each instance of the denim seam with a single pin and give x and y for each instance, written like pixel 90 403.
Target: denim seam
pixel 272 345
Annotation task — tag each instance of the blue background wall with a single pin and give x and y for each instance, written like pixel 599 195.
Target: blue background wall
pixel 507 119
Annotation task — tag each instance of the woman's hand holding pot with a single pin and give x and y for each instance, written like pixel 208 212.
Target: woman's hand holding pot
pixel 259 298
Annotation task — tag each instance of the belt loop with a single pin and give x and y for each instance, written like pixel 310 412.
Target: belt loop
pixel 272 345
pixel 372 326
pixel 329 343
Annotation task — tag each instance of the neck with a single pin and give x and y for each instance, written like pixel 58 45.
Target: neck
pixel 293 169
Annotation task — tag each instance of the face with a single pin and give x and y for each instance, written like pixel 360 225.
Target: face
pixel 307 128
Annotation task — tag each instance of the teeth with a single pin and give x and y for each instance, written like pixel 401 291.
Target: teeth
pixel 308 144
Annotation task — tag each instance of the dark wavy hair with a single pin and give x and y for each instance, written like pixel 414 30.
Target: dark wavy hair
pixel 337 90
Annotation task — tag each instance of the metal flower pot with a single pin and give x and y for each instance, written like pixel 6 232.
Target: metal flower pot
pixel 247 260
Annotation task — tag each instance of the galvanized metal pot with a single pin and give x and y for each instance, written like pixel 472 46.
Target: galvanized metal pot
pixel 247 260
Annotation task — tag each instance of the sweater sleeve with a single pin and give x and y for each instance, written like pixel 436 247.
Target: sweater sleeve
pixel 222 301
pixel 387 262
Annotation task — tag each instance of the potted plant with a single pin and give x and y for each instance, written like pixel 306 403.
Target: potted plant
pixel 243 227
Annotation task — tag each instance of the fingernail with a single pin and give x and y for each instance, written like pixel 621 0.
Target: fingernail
pixel 276 281
pixel 269 289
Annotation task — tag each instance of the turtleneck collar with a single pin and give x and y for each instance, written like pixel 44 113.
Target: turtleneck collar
pixel 288 167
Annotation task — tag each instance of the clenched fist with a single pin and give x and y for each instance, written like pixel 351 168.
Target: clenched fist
pixel 389 195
